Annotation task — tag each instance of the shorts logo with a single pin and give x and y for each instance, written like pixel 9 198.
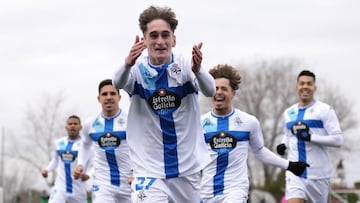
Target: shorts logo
pixel 164 102
pixel 141 195
pixel 143 184
pixel 95 188
pixel 223 142
pixel 109 140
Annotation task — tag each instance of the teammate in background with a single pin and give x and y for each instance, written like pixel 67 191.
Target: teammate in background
pixel 311 126
pixel 229 133
pixel 65 159
pixel 105 134
pixel 164 133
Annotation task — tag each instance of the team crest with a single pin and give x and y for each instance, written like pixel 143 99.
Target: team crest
pixel 175 69
pixel 141 195
pixel 238 121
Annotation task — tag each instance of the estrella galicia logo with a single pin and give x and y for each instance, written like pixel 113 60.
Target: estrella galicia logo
pixel 109 140
pixel 164 102
pixel 223 142
pixel 67 156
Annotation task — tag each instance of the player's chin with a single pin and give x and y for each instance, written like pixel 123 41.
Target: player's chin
pixel 218 104
pixel 219 107
pixel 109 107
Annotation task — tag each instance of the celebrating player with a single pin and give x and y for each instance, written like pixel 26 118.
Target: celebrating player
pixel 229 133
pixel 164 133
pixel 311 126
pixel 65 159
pixel 106 132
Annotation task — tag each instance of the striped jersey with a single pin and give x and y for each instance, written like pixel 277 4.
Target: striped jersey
pixel 64 161
pixel 229 139
pixel 106 137
pixel 164 132
pixel 325 131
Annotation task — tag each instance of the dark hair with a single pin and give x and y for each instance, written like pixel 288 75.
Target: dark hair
pixel 76 117
pixel 154 12
pixel 229 72
pixel 306 73
pixel 104 83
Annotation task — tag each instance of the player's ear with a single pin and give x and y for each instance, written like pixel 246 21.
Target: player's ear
pixel 174 41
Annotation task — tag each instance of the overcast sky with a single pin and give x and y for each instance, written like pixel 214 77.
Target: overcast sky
pixel 51 46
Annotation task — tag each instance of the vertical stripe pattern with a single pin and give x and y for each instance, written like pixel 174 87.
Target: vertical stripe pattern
pixel 111 157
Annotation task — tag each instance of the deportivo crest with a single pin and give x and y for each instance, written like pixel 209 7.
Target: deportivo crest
pixel 175 68
pixel 238 121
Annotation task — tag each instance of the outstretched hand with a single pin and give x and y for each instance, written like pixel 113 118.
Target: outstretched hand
pixel 135 51
pixel 196 57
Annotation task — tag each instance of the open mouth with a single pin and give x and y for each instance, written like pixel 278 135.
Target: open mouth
pixel 219 99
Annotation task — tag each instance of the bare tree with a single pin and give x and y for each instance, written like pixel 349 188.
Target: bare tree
pixel 17 178
pixel 44 123
pixel 266 90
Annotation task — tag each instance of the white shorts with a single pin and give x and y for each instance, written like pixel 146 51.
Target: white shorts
pixel 111 194
pixel 307 189
pixel 58 196
pixel 180 189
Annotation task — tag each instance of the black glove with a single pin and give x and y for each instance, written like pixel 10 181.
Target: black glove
pixel 297 167
pixel 301 130
pixel 281 149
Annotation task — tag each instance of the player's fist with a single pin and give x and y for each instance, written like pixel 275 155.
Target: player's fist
pixel 44 173
pixel 78 171
pixel 297 167
pixel 281 148
pixel 301 130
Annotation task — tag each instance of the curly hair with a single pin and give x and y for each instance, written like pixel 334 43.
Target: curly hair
pixel 153 13
pixel 229 72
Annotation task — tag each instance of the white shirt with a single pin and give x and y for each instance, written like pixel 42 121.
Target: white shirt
pixel 164 132
pixel 64 161
pixel 106 136
pixel 325 132
pixel 228 140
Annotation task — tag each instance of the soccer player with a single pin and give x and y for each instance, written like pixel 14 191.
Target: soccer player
pixel 229 133
pixel 164 133
pixel 65 159
pixel 311 126
pixel 105 135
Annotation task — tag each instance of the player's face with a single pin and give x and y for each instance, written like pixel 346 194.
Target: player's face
pixel 306 88
pixel 109 99
pixel 159 40
pixel 224 94
pixel 73 128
